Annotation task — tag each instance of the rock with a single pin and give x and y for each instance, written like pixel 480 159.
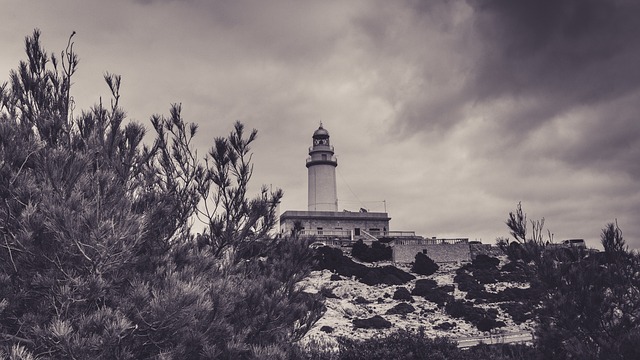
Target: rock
pixel 423 265
pixel 361 300
pixel 376 322
pixel 326 329
pixel 403 294
pixel 424 286
pixel 401 309
pixel 334 260
pixel 335 277
pixel 328 293
pixel 446 326
pixel 388 275
pixel 438 296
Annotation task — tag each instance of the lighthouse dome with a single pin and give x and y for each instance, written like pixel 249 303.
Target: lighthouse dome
pixel 321 133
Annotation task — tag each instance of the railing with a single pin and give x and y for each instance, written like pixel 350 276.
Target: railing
pixel 393 234
pixel 369 236
pixel 420 241
pixel 321 148
pixel 327 233
pixel 332 159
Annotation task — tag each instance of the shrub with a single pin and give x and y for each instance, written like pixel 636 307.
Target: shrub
pixel 400 345
pixel 377 251
pixel 423 265
pixel 414 345
pixel 483 261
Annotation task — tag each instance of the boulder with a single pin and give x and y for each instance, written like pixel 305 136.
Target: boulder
pixel 326 329
pixel 424 286
pixel 376 322
pixel 401 309
pixel 423 265
pixel 403 294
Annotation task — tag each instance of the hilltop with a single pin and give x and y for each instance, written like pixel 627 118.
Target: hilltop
pixel 459 300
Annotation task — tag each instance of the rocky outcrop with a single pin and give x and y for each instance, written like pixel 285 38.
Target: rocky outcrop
pixel 376 322
pixel 334 260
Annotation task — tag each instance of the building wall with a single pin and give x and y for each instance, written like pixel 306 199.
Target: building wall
pixel 485 249
pixel 437 252
pixel 334 221
pixel 322 192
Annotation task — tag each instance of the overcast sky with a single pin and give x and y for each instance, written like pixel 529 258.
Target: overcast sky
pixel 451 111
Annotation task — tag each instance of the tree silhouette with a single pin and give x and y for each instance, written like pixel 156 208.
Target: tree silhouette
pixel 97 256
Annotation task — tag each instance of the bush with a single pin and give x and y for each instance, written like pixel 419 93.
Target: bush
pixel 400 345
pixel 483 261
pixel 377 251
pixel 423 265
pixel 410 345
pixel 519 312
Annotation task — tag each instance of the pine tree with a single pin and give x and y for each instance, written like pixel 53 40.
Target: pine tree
pixel 97 256
pixel 593 307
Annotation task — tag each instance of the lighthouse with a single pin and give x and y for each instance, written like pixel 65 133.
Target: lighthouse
pixel 321 165
pixel 322 220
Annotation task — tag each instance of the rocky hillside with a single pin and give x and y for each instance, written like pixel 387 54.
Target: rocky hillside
pixel 457 300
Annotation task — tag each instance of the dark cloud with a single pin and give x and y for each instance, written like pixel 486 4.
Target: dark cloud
pixel 579 50
pixel 525 66
pixel 452 111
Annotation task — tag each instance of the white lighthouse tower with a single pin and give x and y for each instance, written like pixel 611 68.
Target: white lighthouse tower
pixel 322 173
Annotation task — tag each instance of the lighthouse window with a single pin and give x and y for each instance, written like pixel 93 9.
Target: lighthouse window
pixel 324 156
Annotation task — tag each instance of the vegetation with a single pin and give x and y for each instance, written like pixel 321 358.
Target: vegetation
pixel 592 310
pixel 424 265
pixel 97 255
pixel 376 252
pixel 589 302
pixel 409 345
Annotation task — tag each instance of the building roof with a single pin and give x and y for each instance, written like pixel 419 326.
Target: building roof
pixel 320 133
pixel 333 215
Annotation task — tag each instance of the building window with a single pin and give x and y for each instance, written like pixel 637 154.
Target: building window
pixel 319 231
pixel 324 156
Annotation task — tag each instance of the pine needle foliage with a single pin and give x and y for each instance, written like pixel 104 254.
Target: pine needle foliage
pixel 592 310
pixel 97 256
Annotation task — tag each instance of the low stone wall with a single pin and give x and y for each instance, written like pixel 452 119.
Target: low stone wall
pixel 485 249
pixel 440 253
